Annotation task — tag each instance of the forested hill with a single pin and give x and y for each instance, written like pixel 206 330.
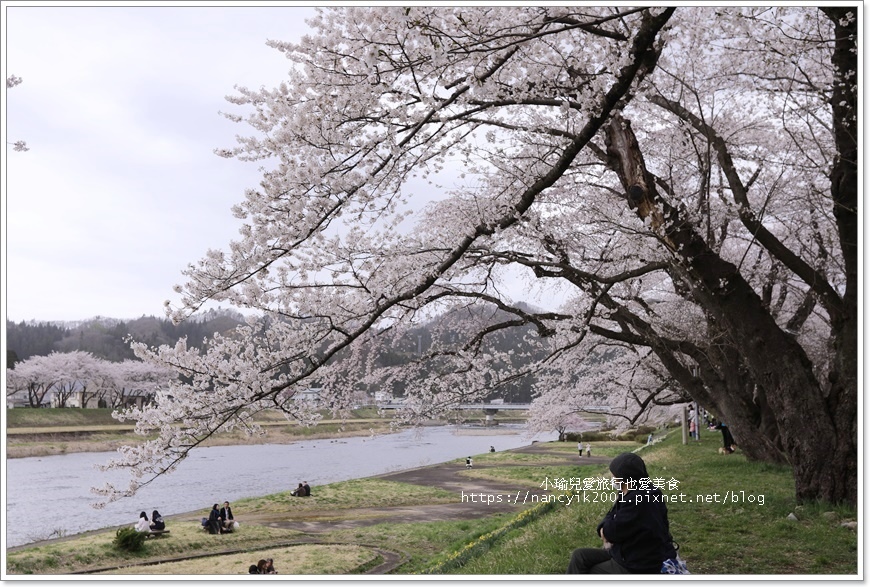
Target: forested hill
pixel 105 337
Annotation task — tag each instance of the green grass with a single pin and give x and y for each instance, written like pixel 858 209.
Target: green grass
pixel 715 538
pixel 96 551
pixel 96 417
pixel 43 417
pixel 187 538
pixel 458 558
pixel 541 548
pixel 424 544
pixel 535 476
pixel 304 559
pixel 355 493
pixel 606 448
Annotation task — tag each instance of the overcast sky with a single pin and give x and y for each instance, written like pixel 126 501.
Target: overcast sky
pixel 120 189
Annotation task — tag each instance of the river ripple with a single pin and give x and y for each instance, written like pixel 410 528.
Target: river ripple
pixel 51 495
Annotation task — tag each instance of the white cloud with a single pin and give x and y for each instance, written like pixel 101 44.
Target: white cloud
pixel 119 107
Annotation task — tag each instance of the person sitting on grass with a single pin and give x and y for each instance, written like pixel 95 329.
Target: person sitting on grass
pixel 298 492
pixel 636 532
pixel 226 517
pixel 261 567
pixel 270 567
pixel 157 522
pixel 143 525
pixel 214 520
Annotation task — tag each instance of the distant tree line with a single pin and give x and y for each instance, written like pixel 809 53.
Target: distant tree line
pixel 107 340
pixel 79 379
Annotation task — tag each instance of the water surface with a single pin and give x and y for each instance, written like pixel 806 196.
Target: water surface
pixel 50 496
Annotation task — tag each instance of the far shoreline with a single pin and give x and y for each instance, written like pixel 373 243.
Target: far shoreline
pixel 56 444
pixel 54 447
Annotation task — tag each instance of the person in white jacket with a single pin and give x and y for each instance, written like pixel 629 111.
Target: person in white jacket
pixel 143 525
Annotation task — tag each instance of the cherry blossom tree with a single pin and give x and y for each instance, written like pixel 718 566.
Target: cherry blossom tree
pixel 626 383
pixel 134 379
pixel 62 377
pixel 549 416
pixel 75 375
pixel 33 378
pixel 685 178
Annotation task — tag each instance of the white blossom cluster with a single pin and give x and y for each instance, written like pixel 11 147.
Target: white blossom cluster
pixel 11 82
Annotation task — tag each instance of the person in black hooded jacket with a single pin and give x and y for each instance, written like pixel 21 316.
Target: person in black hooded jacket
pixel 636 531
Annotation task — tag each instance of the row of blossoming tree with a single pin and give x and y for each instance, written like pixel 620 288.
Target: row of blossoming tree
pixel 80 379
pixel 685 179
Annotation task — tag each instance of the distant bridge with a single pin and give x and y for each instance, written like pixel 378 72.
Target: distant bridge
pixel 492 409
pixel 496 407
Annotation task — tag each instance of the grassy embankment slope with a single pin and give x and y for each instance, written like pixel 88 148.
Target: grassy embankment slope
pixel 725 537
pixel 716 538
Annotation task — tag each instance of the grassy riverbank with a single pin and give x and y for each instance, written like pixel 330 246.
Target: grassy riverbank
pixel 416 523
pixel 55 431
pixel 264 532
pixel 728 537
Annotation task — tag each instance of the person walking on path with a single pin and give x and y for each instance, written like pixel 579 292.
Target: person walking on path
pixel 580 448
pixel 588 450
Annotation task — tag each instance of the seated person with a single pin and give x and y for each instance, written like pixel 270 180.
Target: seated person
pixel 157 522
pixel 270 567
pixel 636 532
pixel 298 492
pixel 143 525
pixel 307 489
pixel 214 520
pixel 226 517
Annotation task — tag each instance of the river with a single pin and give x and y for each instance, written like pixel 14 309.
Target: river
pixel 50 496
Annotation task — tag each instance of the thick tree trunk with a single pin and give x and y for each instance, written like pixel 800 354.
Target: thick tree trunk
pixel 773 358
pixel 842 398
pixel 726 387
pixel 742 401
